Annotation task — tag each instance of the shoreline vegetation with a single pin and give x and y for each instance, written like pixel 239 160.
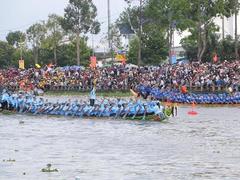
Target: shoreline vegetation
pixel 100 94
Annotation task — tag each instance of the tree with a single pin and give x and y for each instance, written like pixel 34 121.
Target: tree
pixel 231 9
pixel 170 15
pixel 55 34
pixel 226 49
pixel 190 43
pixel 36 34
pixel 154 46
pixel 131 20
pixel 115 37
pixel 15 38
pixel 79 17
pixel 138 12
pixel 202 14
pixel 67 53
pixel 27 54
pixel 153 37
pixel 133 48
pixel 236 10
pixel 6 54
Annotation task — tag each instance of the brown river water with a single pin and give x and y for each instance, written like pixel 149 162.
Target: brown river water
pixel 206 146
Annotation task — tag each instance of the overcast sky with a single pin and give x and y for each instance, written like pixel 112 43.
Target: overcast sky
pixel 20 14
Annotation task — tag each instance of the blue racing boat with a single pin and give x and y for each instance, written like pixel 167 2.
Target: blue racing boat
pixel 117 108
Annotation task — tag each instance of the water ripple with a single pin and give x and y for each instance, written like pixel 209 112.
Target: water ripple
pixel 203 147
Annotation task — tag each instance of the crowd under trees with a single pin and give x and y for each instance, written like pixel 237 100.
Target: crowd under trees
pixel 62 40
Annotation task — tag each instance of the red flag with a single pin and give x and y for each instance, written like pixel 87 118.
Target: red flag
pixel 93 60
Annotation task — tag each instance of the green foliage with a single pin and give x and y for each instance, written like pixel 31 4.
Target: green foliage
pixel 99 93
pixel 133 48
pixel 130 19
pixel 212 46
pixel 115 37
pixel 96 27
pixel 6 54
pixel 196 16
pixel 55 34
pixel 36 34
pixel 223 48
pixel 58 40
pixel 79 17
pixel 27 56
pixel 169 13
pixel 226 49
pixel 14 38
pixel 201 15
pixel 9 56
pixel 154 46
pixel 66 54
pixel 154 40
pixel 190 45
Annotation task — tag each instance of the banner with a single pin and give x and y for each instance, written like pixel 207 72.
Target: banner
pixel 93 60
pixel 173 57
pixel 215 58
pixel 21 64
pixel 121 56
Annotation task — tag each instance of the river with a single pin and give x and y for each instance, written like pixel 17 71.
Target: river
pixel 206 146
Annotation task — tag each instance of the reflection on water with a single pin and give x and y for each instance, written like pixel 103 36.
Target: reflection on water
pixel 203 147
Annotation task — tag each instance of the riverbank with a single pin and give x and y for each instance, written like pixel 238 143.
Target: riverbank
pixel 100 94
pixel 65 95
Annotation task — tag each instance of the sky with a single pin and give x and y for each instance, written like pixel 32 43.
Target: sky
pixel 20 14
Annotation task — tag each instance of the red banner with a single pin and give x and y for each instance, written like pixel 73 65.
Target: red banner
pixel 215 58
pixel 93 60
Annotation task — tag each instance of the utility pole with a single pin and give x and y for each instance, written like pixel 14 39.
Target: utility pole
pixel 236 30
pixel 109 31
pixel 140 34
pixel 93 53
pixel 109 23
pixel 223 27
pixel 138 31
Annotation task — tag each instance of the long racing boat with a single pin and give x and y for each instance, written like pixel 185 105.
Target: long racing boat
pixel 115 108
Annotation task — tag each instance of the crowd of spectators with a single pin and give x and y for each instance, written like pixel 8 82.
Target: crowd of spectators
pixel 196 76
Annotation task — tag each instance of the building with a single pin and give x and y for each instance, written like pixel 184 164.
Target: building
pixel 229 29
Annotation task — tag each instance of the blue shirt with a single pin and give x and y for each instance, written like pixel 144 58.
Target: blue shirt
pixel 93 93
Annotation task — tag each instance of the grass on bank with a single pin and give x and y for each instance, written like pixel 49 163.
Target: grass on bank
pixel 102 94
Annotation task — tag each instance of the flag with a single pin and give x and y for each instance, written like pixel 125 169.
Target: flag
pixel 93 60
pixel 21 64
pixel 215 58
pixel 121 56
pixel 38 66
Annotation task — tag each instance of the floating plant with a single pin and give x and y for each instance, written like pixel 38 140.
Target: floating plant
pixel 9 160
pixel 49 169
